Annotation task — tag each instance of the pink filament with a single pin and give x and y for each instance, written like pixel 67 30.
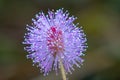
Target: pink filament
pixel 55 40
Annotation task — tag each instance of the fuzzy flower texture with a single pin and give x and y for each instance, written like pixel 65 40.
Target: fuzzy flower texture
pixel 52 38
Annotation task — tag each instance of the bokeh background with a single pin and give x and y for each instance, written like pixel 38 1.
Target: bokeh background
pixel 101 23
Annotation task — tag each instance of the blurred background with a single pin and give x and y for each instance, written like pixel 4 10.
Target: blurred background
pixel 101 23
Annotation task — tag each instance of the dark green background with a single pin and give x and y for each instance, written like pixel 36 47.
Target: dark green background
pixel 101 23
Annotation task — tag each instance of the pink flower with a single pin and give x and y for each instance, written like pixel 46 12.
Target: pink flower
pixel 55 36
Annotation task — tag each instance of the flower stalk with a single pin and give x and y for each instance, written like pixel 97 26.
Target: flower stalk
pixel 62 70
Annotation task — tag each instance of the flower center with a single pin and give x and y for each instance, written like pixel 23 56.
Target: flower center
pixel 55 41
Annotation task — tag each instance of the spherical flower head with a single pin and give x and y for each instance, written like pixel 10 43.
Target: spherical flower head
pixel 53 37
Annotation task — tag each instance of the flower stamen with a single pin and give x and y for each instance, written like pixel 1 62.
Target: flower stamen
pixel 55 40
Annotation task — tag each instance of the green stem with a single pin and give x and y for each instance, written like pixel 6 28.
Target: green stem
pixel 62 70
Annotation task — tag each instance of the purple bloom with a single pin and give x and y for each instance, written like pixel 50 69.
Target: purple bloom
pixel 53 37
